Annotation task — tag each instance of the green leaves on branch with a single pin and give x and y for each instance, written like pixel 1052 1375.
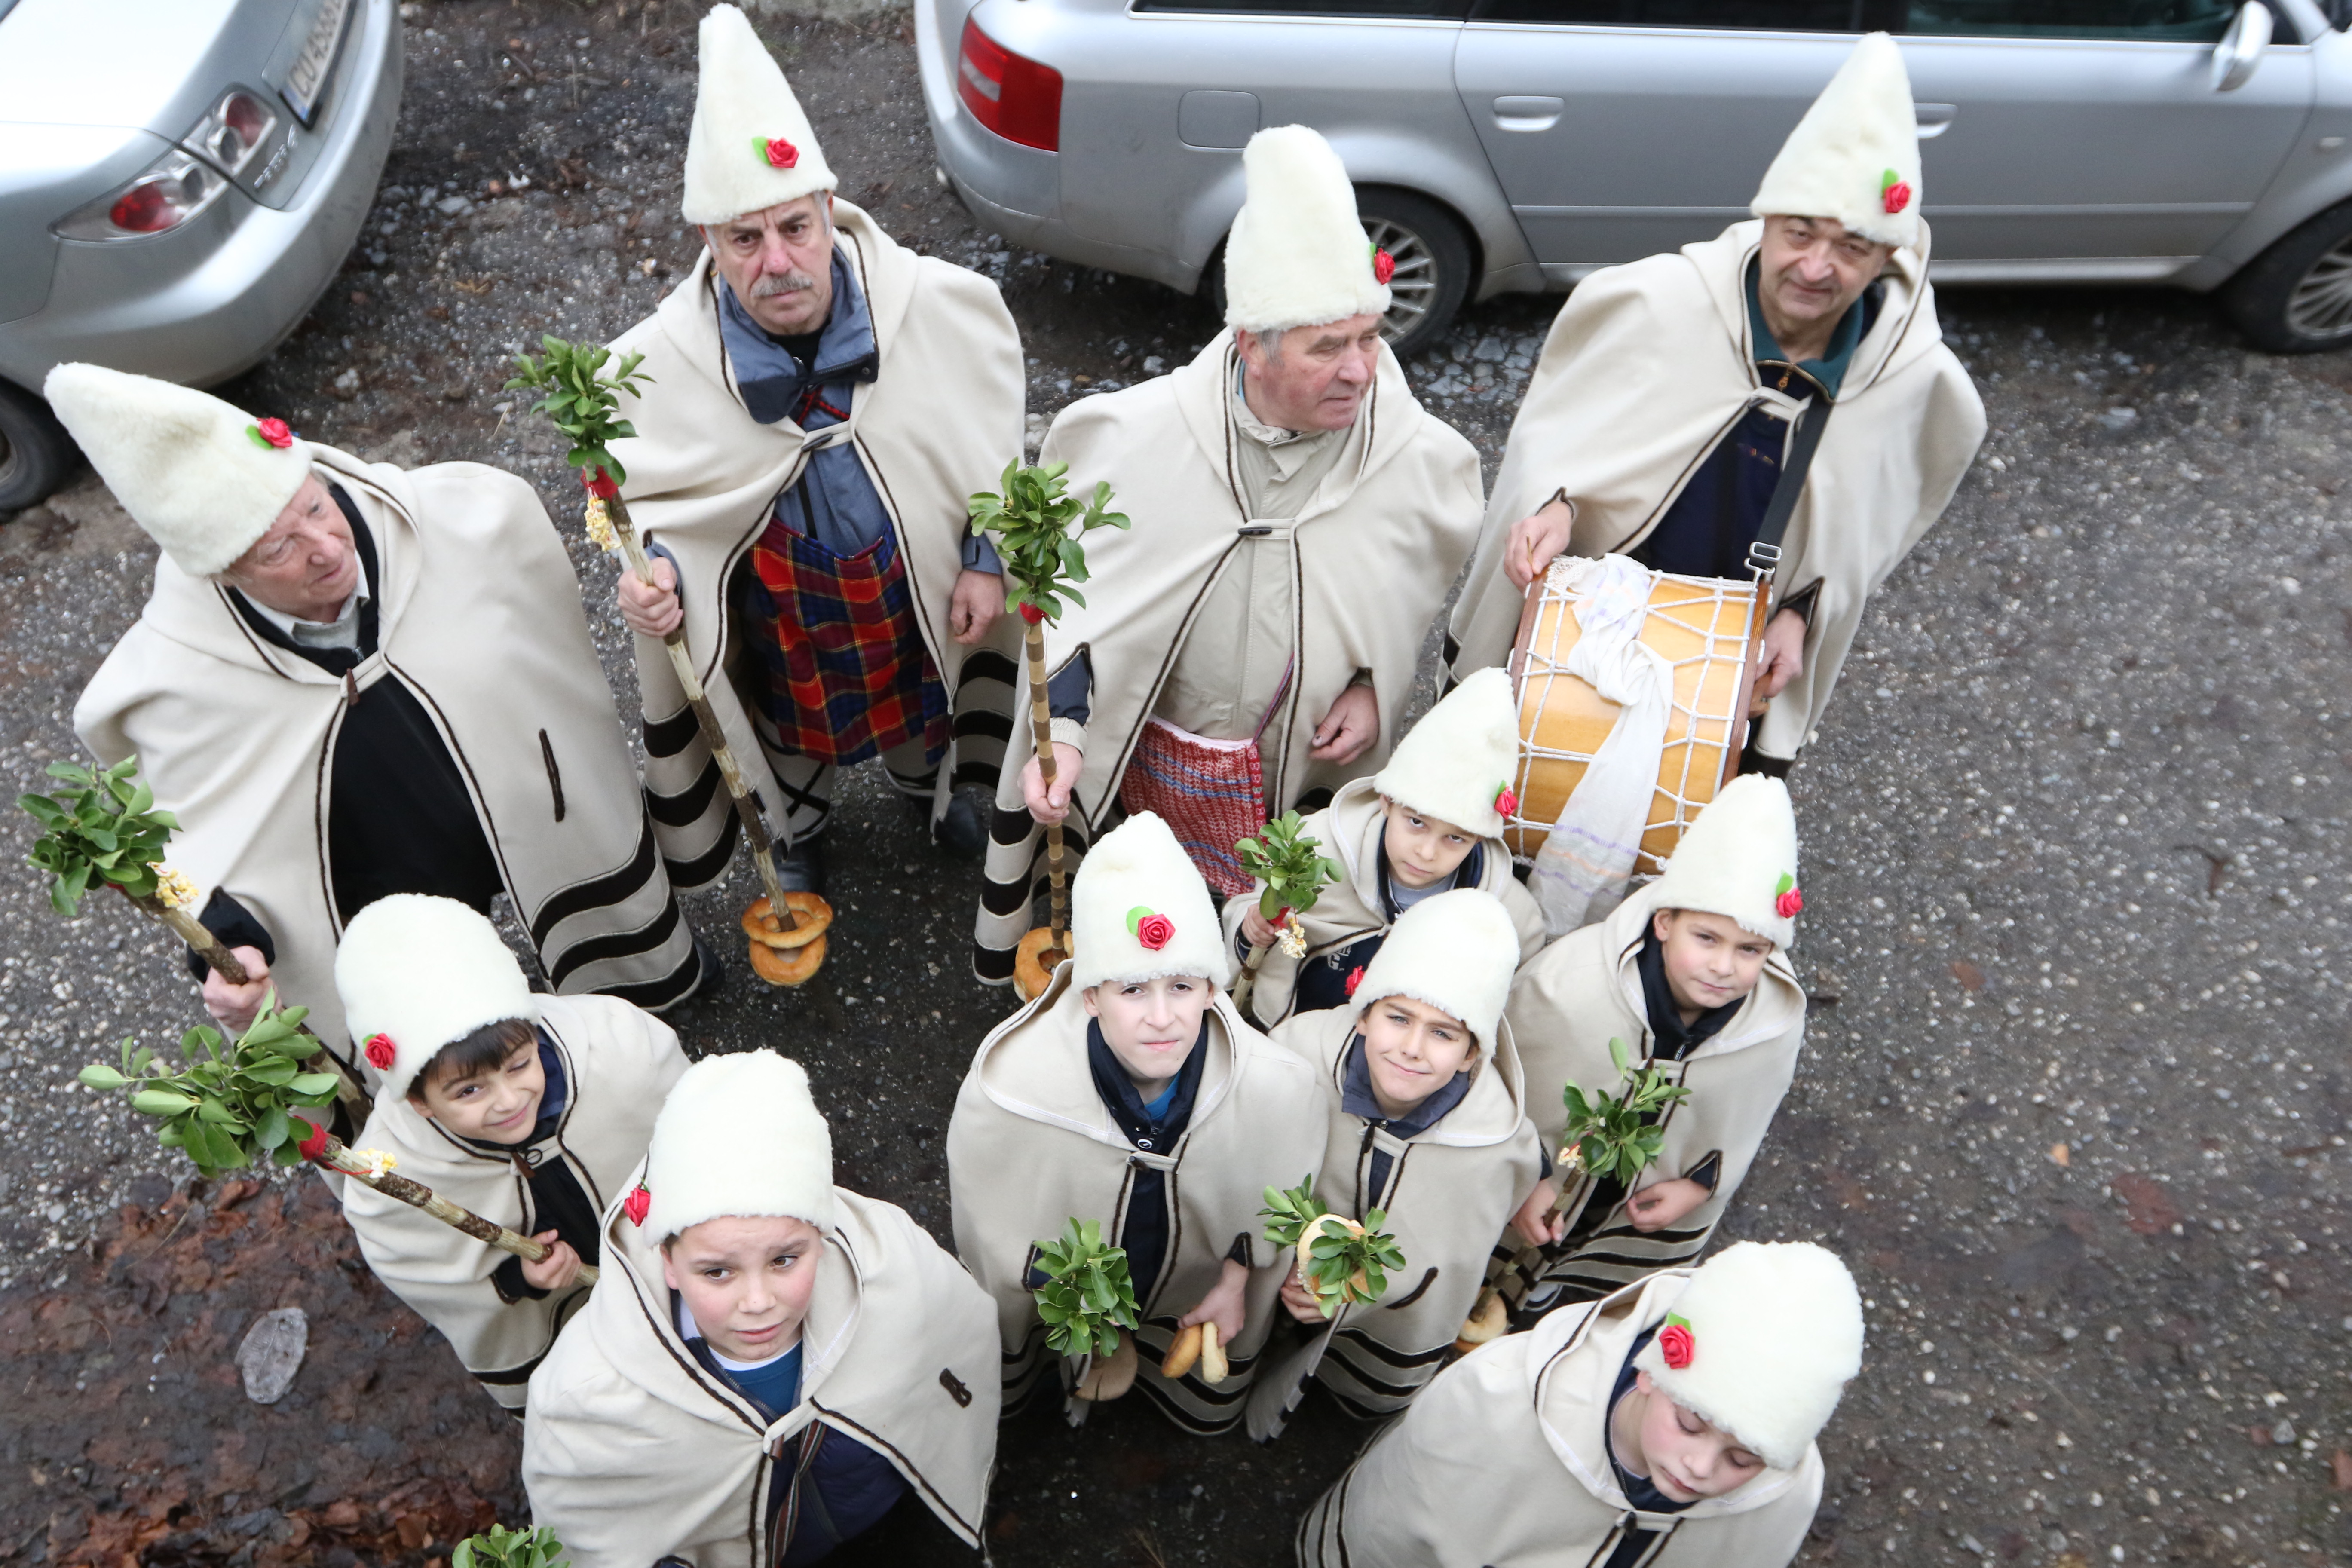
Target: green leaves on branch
pixel 1087 1296
pixel 582 400
pixel 1031 525
pixel 1619 1138
pixel 1341 1260
pixel 1287 1214
pixel 499 1547
pixel 228 1108
pixel 1291 864
pixel 107 830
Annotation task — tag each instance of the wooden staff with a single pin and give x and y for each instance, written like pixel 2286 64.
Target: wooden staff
pixel 332 1154
pixel 1040 724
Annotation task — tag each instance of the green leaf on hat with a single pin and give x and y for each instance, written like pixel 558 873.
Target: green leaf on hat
pixel 1888 181
pixel 1135 918
pixel 1787 882
pixel 1676 1319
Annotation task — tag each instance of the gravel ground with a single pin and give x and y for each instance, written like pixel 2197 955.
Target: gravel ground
pixel 2075 1102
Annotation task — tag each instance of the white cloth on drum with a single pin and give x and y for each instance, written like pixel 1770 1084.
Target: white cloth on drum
pixel 1581 873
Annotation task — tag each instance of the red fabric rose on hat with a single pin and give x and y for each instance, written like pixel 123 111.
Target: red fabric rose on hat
pixel 1788 899
pixel 1892 192
pixel 1355 978
pixel 598 483
pixel 380 1052
pixel 638 1205
pixel 1676 1344
pixel 272 433
pixel 779 152
pixel 315 1146
pixel 1507 801
pixel 1155 931
pixel 1383 266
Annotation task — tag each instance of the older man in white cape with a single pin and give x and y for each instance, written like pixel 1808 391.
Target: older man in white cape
pixel 1297 519
pixel 1678 394
pixel 823 401
pixel 353 681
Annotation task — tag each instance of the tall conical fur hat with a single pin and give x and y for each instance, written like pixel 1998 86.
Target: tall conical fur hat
pixel 1739 860
pixel 1297 256
pixel 750 147
pixel 1855 156
pixel 1457 763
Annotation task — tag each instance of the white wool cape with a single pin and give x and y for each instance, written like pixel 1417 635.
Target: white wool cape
pixel 1031 1146
pixel 940 421
pixel 1353 909
pixel 1377 548
pixel 618 1062
pixel 1586 989
pixel 1503 1463
pixel 1452 1189
pixel 478 614
pixel 1648 365
pixel 631 1452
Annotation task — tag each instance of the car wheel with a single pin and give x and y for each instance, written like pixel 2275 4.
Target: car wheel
pixel 1432 265
pixel 2296 297
pixel 36 453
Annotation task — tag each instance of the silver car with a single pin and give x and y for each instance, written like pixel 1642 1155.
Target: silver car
pixel 179 180
pixel 1504 146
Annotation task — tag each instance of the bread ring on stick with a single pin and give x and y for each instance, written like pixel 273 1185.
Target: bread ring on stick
pixel 811 914
pixel 787 965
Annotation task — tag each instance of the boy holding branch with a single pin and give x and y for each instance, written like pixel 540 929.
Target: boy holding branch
pixel 530 1110
pixel 1130 1094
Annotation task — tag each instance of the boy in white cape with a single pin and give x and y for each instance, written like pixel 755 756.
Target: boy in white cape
pixel 1692 975
pixel 530 1110
pixel 1131 1094
pixel 771 1363
pixel 1670 1425
pixel 1430 821
pixel 1428 1125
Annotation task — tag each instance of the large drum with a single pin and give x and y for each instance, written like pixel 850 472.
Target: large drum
pixel 1710 632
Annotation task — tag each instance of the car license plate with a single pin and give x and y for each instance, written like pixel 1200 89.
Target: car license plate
pixel 306 79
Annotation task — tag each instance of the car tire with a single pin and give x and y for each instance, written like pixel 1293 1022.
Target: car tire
pixel 36 453
pixel 2296 297
pixel 1432 265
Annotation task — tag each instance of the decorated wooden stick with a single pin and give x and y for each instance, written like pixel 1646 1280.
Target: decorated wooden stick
pixel 582 402
pixel 1295 872
pixel 375 1168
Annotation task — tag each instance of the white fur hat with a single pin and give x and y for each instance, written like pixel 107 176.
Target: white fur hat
pixel 1297 256
pixel 749 146
pixel 1454 951
pixel 201 477
pixel 738 1135
pixel 1770 1335
pixel 417 972
pixel 1855 154
pixel 1135 876
pixel 1457 763
pixel 1739 860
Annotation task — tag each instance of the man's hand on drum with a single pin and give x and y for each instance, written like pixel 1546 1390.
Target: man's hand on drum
pixel 1348 730
pixel 1050 806
pixel 1784 653
pixel 1536 540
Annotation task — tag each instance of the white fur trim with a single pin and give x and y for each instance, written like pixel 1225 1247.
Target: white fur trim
pixel 1455 764
pixel 182 462
pixel 1297 256
pixel 738 1135
pixel 1835 162
pixel 1730 861
pixel 1776 1335
pixel 743 99
pixel 425 973
pixel 1457 951
pixel 1139 865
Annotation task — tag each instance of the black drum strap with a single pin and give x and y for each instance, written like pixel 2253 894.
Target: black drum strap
pixel 1764 554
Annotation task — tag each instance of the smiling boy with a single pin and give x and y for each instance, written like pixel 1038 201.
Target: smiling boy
pixel 1130 1093
pixel 1692 975
pixel 529 1110
pixel 1430 821
pixel 1671 1426
pixel 1427 1122
pixel 771 1364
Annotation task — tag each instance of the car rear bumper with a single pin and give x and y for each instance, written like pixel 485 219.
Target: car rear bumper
pixel 129 307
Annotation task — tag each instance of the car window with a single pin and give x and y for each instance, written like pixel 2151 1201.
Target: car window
pixel 1774 15
pixel 2180 21
pixel 1400 9
pixel 2174 21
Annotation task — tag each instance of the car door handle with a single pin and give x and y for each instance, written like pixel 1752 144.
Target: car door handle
pixel 1935 118
pixel 1528 113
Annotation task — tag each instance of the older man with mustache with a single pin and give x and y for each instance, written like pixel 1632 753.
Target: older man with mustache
pixel 1677 396
pixel 821 401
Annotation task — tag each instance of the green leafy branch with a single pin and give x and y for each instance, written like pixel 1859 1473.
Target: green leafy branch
pixel 501 1548
pixel 228 1108
pixel 1290 863
pixel 1618 1137
pixel 582 400
pixel 106 830
pixel 1341 1260
pixel 1087 1296
pixel 1288 1213
pixel 1031 524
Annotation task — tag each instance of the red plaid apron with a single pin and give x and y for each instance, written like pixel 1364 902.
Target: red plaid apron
pixel 848 675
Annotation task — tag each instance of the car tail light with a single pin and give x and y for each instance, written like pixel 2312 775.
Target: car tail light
pixel 235 131
pixel 1018 98
pixel 172 190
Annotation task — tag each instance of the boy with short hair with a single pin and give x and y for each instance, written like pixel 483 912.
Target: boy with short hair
pixel 1692 975
pixel 1671 1426
pixel 528 1109
pixel 771 1363
pixel 1427 1122
pixel 1130 1093
pixel 1430 821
